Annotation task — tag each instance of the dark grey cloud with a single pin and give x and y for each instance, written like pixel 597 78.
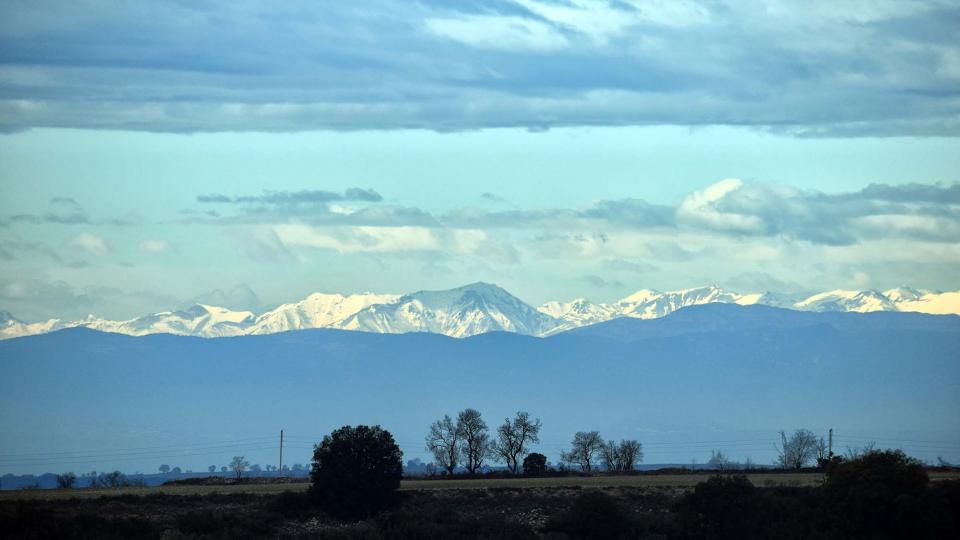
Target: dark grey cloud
pixel 630 212
pixel 879 211
pixel 912 193
pixel 890 68
pixel 730 208
pixel 66 211
pixel 601 282
pixel 306 196
pixel 11 250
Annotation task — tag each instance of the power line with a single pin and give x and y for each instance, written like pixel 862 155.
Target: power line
pixel 134 458
pixel 170 446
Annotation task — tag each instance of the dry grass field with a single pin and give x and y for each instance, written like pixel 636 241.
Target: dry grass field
pixel 632 481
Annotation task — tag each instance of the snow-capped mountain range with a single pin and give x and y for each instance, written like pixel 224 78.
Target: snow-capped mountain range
pixel 473 309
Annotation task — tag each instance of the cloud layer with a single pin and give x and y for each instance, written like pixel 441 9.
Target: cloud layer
pixel 749 235
pixel 730 207
pixel 817 68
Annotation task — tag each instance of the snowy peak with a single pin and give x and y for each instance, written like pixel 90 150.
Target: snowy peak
pixel 11 327
pixel 647 304
pixel 643 295
pixel 474 309
pixel 904 294
pixel 576 313
pixel 841 300
pixel 930 302
pixel 318 310
pixel 198 320
pixel 465 311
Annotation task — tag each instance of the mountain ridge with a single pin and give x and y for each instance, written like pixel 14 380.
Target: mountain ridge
pixel 477 308
pixel 712 368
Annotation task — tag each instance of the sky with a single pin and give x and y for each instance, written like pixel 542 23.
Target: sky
pixel 246 154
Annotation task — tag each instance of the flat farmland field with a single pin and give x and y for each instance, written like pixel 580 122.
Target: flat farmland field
pixel 600 482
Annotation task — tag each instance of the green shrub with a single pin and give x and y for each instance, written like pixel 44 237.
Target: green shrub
pixel 534 464
pixel 731 507
pixel 356 472
pixel 881 494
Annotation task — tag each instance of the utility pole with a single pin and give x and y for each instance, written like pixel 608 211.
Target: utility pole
pixel 830 446
pixel 280 469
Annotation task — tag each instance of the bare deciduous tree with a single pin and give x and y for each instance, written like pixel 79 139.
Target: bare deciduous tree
pixel 583 449
pixel 621 457
pixel 798 450
pixel 476 439
pixel 824 455
pixel 609 455
pixel 513 437
pixel 630 454
pixel 66 480
pixel 444 443
pixel 238 465
pixel 718 460
pixel 855 452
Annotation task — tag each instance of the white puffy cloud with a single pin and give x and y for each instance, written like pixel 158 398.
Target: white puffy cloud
pixel 700 208
pixel 90 243
pixel 155 246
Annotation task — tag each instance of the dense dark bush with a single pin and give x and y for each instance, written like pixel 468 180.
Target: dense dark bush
pixel 292 504
pixel 534 464
pixel 200 522
pixel 593 515
pixel 731 507
pixel 25 520
pixel 415 524
pixel 883 494
pixel 356 472
pixel 233 524
pixel 947 493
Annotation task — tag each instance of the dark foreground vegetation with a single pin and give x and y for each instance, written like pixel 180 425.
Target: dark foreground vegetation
pixel 880 496
pixel 354 494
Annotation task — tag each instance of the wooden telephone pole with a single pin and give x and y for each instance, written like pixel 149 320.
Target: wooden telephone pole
pixel 830 445
pixel 280 468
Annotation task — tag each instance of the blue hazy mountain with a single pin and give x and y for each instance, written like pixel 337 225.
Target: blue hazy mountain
pixel 718 372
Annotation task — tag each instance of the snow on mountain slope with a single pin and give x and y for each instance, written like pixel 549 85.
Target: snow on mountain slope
pixel 577 313
pixel 474 309
pixel 840 300
pixel 904 294
pixel 11 327
pixel 930 302
pixel 316 311
pixel 461 312
pixel 200 320
pixel 647 304
pixel 640 297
